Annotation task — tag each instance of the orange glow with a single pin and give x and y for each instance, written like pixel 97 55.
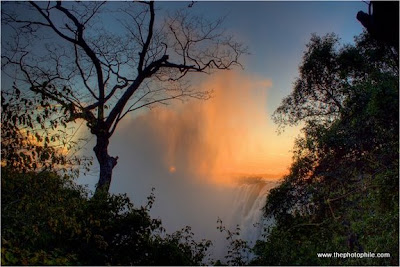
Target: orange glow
pixel 172 169
pixel 227 136
pixel 238 127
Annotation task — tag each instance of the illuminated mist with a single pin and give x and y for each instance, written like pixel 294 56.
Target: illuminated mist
pixel 193 152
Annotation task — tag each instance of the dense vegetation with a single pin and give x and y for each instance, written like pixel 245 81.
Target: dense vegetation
pixel 342 192
pixel 47 220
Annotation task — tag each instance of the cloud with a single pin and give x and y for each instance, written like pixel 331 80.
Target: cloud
pixel 228 134
pixel 223 135
pixel 189 152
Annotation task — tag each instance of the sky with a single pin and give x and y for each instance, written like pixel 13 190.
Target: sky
pixel 276 34
pixel 189 152
pixel 192 152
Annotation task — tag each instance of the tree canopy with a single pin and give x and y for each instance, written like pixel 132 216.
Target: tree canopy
pixel 32 140
pixel 341 194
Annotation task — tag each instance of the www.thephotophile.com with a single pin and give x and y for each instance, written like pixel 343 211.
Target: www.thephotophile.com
pixel 353 255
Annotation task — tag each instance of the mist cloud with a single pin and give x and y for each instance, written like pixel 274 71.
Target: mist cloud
pixel 190 151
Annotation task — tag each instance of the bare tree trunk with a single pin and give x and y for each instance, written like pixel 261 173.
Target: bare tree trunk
pixel 107 163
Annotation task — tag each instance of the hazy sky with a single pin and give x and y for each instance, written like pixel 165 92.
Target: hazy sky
pixel 277 32
pixel 186 151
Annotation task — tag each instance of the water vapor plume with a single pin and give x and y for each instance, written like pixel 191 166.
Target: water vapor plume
pixel 227 134
pixel 192 152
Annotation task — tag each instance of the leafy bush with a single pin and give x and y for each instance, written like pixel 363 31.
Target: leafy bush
pixel 48 220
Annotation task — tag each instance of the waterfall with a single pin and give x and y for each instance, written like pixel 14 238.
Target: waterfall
pixel 246 211
pixel 250 198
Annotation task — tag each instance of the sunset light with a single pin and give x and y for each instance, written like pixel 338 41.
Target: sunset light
pixel 199 133
pixel 172 169
pixel 228 134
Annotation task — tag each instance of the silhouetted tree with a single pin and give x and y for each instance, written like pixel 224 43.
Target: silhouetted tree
pixel 98 64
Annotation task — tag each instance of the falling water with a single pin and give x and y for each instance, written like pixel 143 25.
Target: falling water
pixel 246 212
pixel 249 201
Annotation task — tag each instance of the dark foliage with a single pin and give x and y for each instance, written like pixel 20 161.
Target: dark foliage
pixel 47 220
pixel 342 191
pixel 33 138
pixel 238 249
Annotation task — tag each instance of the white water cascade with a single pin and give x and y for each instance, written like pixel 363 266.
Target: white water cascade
pixel 250 199
pixel 246 212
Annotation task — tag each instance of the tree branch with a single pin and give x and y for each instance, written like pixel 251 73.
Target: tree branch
pixel 145 48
